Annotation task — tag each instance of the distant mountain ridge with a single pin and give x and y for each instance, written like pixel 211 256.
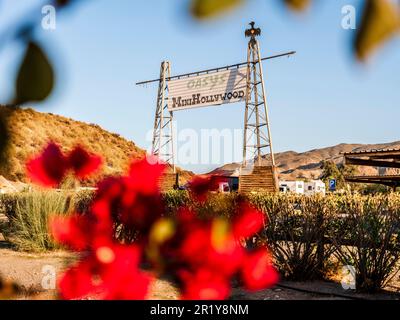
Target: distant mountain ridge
pixel 292 165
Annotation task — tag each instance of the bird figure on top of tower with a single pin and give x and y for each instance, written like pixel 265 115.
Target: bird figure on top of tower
pixel 253 32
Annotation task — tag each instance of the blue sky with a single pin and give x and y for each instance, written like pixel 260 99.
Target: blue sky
pixel 317 98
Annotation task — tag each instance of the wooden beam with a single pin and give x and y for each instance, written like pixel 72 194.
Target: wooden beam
pixel 374 153
pixel 387 156
pixel 390 181
pixel 388 184
pixel 372 163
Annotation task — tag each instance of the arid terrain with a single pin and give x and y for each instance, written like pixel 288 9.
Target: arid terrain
pixel 292 165
pixel 29 269
pixel 31 130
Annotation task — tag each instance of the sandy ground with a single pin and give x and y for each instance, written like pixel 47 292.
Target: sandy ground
pixel 29 270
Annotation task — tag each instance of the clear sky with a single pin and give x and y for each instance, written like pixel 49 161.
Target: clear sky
pixel 317 98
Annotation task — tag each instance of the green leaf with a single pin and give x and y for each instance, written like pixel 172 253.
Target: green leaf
pixel 202 9
pixel 298 5
pixel 380 22
pixel 35 78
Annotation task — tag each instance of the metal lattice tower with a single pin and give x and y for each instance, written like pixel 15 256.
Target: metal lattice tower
pixel 163 143
pixel 257 133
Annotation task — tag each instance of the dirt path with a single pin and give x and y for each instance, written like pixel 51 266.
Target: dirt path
pixel 29 271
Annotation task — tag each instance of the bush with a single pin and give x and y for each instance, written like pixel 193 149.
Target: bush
pixel 302 232
pixel 295 232
pixel 371 241
pixel 174 199
pixel 28 215
pixel 82 200
pixel 217 204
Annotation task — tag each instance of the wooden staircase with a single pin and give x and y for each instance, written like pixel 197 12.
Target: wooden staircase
pixel 259 179
pixel 167 182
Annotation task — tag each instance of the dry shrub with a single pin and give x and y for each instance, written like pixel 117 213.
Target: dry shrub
pixel 368 238
pixel 29 214
pixel 295 232
pixel 302 232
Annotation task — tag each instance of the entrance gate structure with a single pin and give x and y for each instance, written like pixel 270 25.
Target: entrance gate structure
pixel 228 84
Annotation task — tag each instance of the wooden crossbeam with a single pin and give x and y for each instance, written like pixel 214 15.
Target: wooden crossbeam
pixel 390 181
pixel 386 156
pixel 375 153
pixel 372 162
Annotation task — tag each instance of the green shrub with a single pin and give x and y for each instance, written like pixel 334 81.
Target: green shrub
pixel 28 215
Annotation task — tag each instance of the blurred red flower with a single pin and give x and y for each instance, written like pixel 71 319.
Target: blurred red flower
pixel 135 200
pixel 81 232
pixel 200 186
pixel 204 285
pixel 49 168
pixel 258 271
pixel 110 272
pixel 203 254
pixel 248 222
pixel 83 163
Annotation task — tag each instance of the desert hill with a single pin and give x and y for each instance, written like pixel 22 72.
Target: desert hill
pixel 30 130
pixel 292 165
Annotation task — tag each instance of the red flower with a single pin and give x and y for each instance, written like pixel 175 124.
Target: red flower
pixel 81 232
pixel 201 244
pixel 195 244
pixel 110 272
pixel 186 217
pixel 248 222
pixel 145 175
pixel 49 168
pixel 83 163
pixel 204 254
pixel 204 285
pixel 141 210
pixel 226 257
pixel 258 272
pixel 140 202
pixel 200 186
pixel 70 231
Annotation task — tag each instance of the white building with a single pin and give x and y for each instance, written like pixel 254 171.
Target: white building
pixel 292 186
pixel 301 187
pixel 314 187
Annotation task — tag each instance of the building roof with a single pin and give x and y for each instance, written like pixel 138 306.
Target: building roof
pixel 372 152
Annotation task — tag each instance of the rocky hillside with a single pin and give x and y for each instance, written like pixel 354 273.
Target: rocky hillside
pixel 31 130
pixel 294 165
